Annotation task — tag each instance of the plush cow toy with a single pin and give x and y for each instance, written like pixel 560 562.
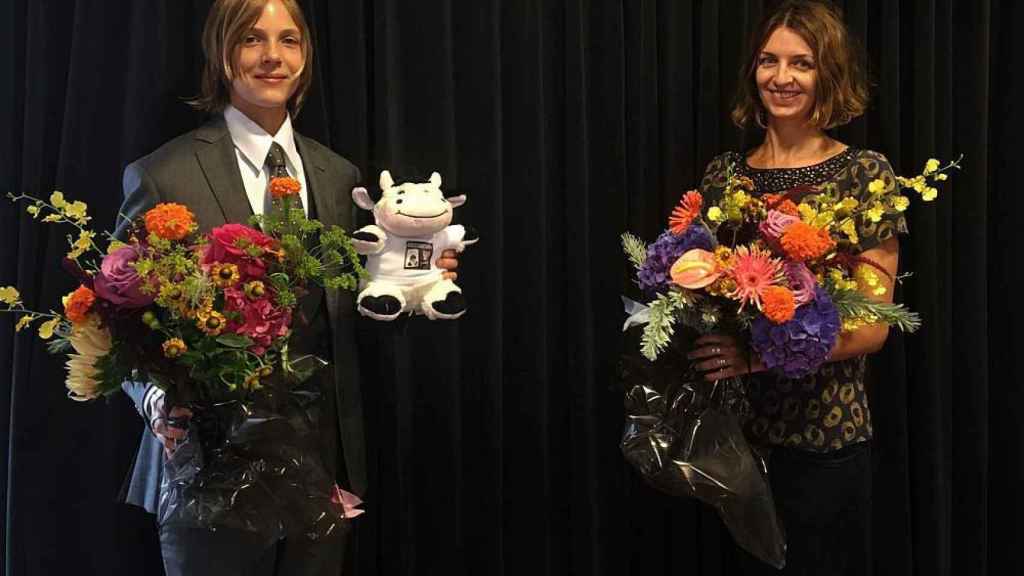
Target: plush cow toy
pixel 412 228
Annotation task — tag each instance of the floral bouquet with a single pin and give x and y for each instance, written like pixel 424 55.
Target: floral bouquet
pixel 782 267
pixel 782 271
pixel 209 318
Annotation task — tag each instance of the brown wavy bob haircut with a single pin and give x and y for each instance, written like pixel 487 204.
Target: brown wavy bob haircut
pixel 227 24
pixel 842 84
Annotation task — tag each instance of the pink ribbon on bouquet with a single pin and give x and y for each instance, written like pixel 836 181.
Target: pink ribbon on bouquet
pixel 348 502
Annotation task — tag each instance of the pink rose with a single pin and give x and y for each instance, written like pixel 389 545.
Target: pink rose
pixel 802 282
pixel 118 282
pixel 775 224
pixel 236 244
pixel 695 269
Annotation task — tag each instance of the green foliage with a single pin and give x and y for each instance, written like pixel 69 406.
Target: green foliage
pixel 234 340
pixel 661 326
pixel 635 249
pixel 853 304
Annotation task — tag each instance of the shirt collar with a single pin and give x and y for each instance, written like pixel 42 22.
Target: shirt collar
pixel 254 142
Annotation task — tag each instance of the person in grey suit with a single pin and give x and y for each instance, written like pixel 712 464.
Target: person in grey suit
pixel 258 68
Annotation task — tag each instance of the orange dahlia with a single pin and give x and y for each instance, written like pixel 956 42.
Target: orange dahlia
pixel 78 303
pixel 778 304
pixel 683 214
pixel 170 221
pixel 803 242
pixel 284 187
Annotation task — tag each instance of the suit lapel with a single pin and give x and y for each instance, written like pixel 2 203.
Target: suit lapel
pixel 216 154
pixel 316 178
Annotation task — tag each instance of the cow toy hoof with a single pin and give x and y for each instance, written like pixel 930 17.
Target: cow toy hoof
pixel 453 306
pixel 380 307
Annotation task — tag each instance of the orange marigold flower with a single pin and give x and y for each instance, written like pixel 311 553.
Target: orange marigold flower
pixel 781 203
pixel 778 304
pixel 683 214
pixel 803 242
pixel 284 187
pixel 78 303
pixel 170 221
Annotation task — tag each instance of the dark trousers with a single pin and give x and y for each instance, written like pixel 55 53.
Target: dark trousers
pixel 190 551
pixel 824 501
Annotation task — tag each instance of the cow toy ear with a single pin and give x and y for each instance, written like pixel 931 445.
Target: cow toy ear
pixel 386 181
pixel 435 180
pixel 362 198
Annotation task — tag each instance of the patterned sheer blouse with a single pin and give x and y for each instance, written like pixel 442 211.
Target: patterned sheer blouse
pixel 829 409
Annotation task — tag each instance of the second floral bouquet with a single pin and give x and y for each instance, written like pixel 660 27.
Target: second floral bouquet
pixel 783 269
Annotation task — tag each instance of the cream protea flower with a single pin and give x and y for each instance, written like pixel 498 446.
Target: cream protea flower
pixel 753 270
pixel 91 342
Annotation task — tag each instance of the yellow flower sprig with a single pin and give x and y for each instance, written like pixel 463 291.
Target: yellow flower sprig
pixel 924 182
pixel 11 299
pixel 738 202
pixel 59 210
pixel 840 216
pixel 868 281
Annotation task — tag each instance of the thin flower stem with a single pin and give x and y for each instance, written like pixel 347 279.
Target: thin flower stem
pixel 23 310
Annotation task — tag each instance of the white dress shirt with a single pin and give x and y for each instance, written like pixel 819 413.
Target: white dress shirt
pixel 252 143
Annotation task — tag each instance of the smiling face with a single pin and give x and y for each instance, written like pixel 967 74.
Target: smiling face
pixel 268 62
pixel 786 76
pixel 413 209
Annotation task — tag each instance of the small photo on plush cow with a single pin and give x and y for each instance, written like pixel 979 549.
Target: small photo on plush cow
pixel 412 228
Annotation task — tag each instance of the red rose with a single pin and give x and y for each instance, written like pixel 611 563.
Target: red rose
pixel 245 247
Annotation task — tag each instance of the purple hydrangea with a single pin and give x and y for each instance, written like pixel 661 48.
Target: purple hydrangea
pixel 798 347
pixel 663 253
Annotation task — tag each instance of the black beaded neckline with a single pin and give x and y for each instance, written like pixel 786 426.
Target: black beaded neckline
pixel 778 179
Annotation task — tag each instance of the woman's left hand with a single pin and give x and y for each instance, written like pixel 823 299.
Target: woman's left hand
pixel 720 356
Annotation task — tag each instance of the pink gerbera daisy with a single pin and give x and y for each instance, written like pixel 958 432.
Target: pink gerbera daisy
pixel 753 271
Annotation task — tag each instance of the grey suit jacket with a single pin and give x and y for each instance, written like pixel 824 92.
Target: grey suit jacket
pixel 200 169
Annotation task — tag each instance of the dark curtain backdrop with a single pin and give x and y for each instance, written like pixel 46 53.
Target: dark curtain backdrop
pixel 493 440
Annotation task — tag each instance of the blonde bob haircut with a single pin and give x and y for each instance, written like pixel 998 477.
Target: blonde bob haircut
pixel 227 25
pixel 842 84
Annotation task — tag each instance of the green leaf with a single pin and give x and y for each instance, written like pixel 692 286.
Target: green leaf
pixel 113 370
pixel 234 340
